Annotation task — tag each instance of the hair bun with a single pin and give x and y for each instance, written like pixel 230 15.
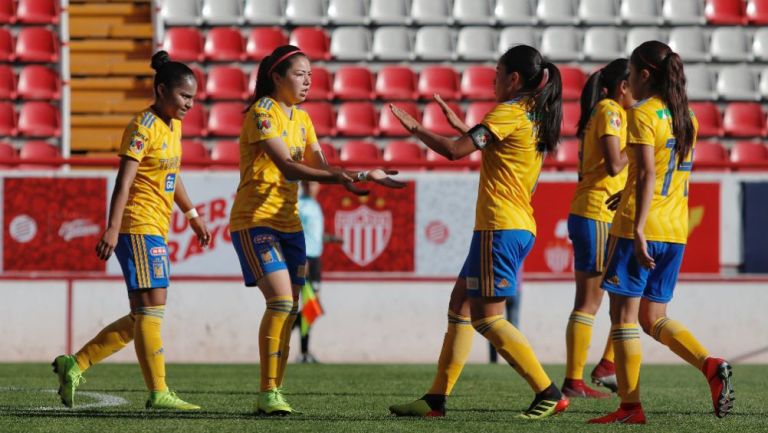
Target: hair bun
pixel 160 59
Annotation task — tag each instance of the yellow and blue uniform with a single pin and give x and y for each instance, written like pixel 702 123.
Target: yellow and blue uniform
pixel 666 229
pixel 590 219
pixel 505 229
pixel 265 224
pixel 142 248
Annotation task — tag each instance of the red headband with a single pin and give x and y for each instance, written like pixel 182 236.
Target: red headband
pixel 280 60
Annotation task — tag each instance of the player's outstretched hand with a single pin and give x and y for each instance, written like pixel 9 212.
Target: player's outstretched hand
pixel 613 201
pixel 203 235
pixel 106 244
pixel 354 189
pixel 381 176
pixel 451 115
pixel 408 122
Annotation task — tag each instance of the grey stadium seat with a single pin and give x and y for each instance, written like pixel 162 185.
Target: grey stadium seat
pixel 384 12
pixel 350 43
pixel 222 12
pixel 730 44
pixel 554 12
pixel 561 43
pixel 597 12
pixel 641 12
pixel 603 43
pixel 760 45
pixel 468 12
pixel 392 43
pixel 476 43
pixel 425 12
pixel 764 84
pixel 519 12
pixel 305 12
pixel 679 12
pixel 690 43
pixel 638 35
pixel 511 36
pixel 737 83
pixel 700 83
pixel 264 12
pixel 434 43
pixel 347 12
pixel 181 12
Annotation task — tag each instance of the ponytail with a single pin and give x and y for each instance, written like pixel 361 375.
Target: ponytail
pixel 276 62
pixel 600 85
pixel 548 108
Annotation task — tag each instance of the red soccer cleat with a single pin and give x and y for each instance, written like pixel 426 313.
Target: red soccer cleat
pixel 604 374
pixel 718 373
pixel 579 389
pixel 628 413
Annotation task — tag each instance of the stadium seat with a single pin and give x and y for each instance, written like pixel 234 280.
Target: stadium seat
pixel 737 83
pixel 469 12
pixel 459 165
pixel 514 12
pixel 330 152
pixel 6 152
pixel 709 118
pixel 350 43
pixel 322 116
pixel 38 150
pixel 598 12
pixel 226 82
pixel 195 123
pixel 389 126
pixel 222 12
pixel 37 12
pixel 389 12
pixel 477 82
pixel 356 119
pixel 682 12
pixel 224 44
pixel 476 43
pixel 573 81
pixel 7 82
pixel 403 151
pixel 568 152
pixel 225 119
pixel 264 12
pixel 39 119
pixel 744 119
pixel 435 121
pixel 38 82
pixel 438 79
pixel 395 83
pixel 560 44
pixel 426 12
pixel 180 13
pixel 184 44
pixel 7 12
pixel 305 12
pixel 434 43
pixel 37 44
pixel 763 85
pixel 347 12
pixel 640 12
pixel 709 155
pixel 313 41
pixel 321 85
pixel 511 36
pixel 476 112
pixel 391 43
pixel 757 12
pixel 7 119
pixel 226 153
pixel 556 12
pixel 760 45
pixel 7 53
pixel 193 151
pixel 353 83
pixel 730 44
pixel 359 151
pixel 603 44
pixel 200 78
pixel 689 43
pixel 725 12
pixel 262 41
pixel 571 113
pixel 638 35
pixel 700 83
pixel 748 153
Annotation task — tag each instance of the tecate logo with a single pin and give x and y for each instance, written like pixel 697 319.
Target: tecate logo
pixel 78 228
pixel 23 229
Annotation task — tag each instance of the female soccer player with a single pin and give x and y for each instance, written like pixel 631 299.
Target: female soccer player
pixel 513 136
pixel 602 136
pixel 278 147
pixel 148 183
pixel 650 229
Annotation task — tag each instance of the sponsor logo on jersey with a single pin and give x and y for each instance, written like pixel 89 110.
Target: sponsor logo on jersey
pixel 158 251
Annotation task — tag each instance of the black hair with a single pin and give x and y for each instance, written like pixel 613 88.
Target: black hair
pixel 600 85
pixel 265 85
pixel 169 73
pixel 668 79
pixel 543 83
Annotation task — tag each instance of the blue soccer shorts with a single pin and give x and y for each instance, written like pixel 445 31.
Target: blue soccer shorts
pixel 589 238
pixel 263 250
pixel 494 261
pixel 144 261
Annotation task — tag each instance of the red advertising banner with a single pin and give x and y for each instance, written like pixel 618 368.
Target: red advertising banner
pixel 702 254
pixel 53 224
pixel 377 230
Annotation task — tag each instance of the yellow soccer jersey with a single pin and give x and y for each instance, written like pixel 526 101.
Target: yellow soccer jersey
pixel 649 124
pixel 595 185
pixel 264 197
pixel 157 148
pixel 510 169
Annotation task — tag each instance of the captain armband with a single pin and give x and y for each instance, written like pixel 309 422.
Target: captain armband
pixel 481 136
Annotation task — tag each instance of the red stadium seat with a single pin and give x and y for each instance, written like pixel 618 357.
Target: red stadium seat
pixel 7 53
pixel 568 152
pixel 322 116
pixel 709 118
pixel 224 44
pixel 476 112
pixel 226 82
pixel 184 44
pixel 38 82
pixel 7 82
pixel 37 44
pixel 313 41
pixel 7 119
pixel 403 151
pixel 477 83
pixel 39 119
pixel 7 12
pixel 746 153
pixel 573 81
pixel 435 121
pixel 725 12
pixel 200 78
pixel 193 151
pixel 194 124
pixel 262 41
pixel 37 150
pixel 330 152
pixel 395 83
pixel 709 156
pixel 226 119
pixel 37 11
pixel 227 154
pixel 359 151
pixel 389 126
pixel 757 12
pixel 571 112
pixel 438 79
pixel 6 152
pixel 353 83
pixel 321 85
pixel 356 119
pixel 744 119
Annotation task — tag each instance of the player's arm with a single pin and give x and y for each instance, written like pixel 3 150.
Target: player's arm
pixel 646 182
pixel 615 159
pixel 453 118
pixel 181 198
pixel 125 176
pixel 451 149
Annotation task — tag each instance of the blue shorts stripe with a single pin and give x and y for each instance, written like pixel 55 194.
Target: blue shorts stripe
pixel 250 255
pixel 137 263
pixel 146 269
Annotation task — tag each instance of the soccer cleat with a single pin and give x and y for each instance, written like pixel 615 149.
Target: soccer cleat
pixel 420 407
pixel 272 402
pixel 604 374
pixel 718 373
pixel 579 389
pixel 628 413
pixel 70 377
pixel 543 408
pixel 168 400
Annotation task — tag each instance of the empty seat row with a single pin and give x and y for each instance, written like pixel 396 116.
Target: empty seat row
pixel 485 12
pixel 35 119
pixel 31 44
pixel 33 82
pixel 30 150
pixel 29 11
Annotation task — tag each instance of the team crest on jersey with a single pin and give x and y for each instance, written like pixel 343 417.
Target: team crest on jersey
pixel 137 143
pixel 264 125
pixel 480 135
pixel 158 270
pixel 614 120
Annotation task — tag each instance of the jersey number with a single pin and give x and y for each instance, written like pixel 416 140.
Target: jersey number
pixel 672 165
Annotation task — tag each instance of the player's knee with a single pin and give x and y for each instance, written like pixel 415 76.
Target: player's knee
pixel 646 322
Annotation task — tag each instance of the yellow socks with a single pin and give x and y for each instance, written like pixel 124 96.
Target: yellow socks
pixel 679 339
pixel 514 347
pixel 110 340
pixel 626 343
pixel 149 346
pixel 456 346
pixel 608 354
pixel 577 337
pixel 285 341
pixel 270 333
